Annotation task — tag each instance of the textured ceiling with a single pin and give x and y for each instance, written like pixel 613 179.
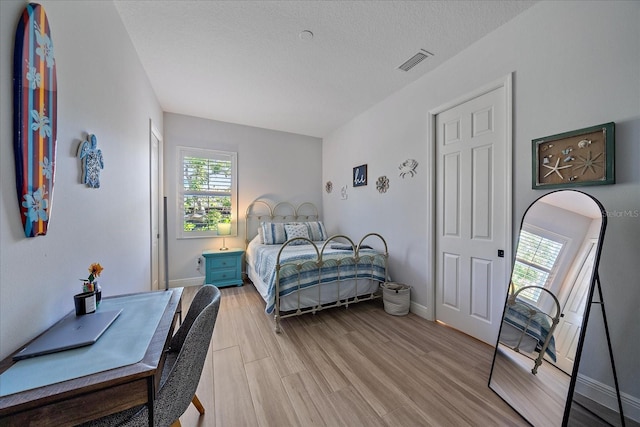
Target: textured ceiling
pixel 244 62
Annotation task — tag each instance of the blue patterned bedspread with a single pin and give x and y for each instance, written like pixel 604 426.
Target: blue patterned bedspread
pixel 517 316
pixel 371 265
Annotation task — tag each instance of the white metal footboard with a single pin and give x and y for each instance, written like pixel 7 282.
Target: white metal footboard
pixel 312 267
pixel 555 318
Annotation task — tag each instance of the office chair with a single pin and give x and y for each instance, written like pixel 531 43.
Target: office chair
pixel 183 367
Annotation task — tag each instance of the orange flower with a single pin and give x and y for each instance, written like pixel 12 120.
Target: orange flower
pixel 94 271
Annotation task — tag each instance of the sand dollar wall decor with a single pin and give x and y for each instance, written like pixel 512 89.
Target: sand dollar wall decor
pixel 328 187
pixel 382 184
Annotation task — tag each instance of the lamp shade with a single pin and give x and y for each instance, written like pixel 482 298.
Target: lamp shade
pixel 224 228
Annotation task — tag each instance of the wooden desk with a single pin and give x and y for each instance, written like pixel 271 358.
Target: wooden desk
pixel 93 396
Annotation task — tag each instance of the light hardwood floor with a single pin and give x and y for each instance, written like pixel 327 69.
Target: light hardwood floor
pixel 541 398
pixel 341 367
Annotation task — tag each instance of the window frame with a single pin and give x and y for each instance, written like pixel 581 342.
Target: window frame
pixel 209 154
pixel 553 271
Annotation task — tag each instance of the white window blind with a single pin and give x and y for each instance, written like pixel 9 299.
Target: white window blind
pixel 535 261
pixel 206 192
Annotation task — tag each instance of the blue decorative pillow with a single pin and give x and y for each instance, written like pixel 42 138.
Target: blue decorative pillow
pixel 296 230
pixel 316 230
pixel 273 233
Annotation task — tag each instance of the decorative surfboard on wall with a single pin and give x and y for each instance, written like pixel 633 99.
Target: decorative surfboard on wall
pixel 35 119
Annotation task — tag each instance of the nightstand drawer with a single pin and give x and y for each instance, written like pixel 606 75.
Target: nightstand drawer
pixel 223 262
pixel 222 275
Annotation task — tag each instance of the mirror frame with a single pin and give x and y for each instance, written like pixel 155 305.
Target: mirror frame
pixel 587 310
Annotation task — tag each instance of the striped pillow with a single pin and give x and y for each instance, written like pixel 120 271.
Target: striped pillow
pixel 273 233
pixel 315 229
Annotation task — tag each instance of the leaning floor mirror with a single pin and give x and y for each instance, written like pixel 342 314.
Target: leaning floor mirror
pixel 539 366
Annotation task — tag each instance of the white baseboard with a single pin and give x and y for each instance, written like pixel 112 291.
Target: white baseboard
pixel 420 310
pixel 606 396
pixel 183 283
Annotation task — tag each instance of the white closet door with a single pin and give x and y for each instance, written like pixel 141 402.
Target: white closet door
pixel 471 194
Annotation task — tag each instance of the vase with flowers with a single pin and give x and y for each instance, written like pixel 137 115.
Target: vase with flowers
pixel 90 284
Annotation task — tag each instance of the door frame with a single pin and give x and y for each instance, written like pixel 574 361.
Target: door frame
pixel 505 82
pixel 154 132
pixel 588 245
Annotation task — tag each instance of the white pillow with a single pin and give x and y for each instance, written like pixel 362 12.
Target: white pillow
pixel 296 230
pixel 256 241
pixel 273 233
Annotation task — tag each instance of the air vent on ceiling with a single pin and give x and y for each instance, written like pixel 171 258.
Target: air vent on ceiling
pixel 415 60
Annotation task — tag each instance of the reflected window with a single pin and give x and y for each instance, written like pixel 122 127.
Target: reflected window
pixel 535 262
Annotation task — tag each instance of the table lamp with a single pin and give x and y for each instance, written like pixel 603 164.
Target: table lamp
pixel 224 229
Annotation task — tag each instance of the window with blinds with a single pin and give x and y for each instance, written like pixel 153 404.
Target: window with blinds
pixel 206 191
pixel 534 265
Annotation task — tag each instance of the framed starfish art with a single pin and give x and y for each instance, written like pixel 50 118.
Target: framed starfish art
pixel 573 159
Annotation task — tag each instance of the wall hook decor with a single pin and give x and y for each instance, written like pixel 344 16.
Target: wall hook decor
pixel 343 193
pixel 91 158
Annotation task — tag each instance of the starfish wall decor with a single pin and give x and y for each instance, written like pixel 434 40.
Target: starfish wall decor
pixel 555 168
pixel 576 158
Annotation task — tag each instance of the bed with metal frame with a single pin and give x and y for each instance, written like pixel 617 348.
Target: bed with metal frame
pixel 301 275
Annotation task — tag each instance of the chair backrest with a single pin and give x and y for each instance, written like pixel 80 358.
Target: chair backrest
pixel 203 298
pixel 176 393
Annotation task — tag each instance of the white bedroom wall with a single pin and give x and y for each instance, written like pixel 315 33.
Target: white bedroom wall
pixel 575 64
pixel 102 89
pixel 273 165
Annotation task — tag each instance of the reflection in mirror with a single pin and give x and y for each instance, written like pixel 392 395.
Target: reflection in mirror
pixel 553 273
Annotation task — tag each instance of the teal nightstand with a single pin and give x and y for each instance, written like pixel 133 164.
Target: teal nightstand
pixel 223 268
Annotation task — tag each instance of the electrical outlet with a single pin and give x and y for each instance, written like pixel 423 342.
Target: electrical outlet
pixel 199 261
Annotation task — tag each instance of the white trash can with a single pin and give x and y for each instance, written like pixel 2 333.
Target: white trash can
pixel 396 298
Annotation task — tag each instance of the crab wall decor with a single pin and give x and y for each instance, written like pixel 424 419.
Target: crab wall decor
pixel 408 167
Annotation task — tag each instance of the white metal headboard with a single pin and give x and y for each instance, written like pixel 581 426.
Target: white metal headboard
pixel 264 210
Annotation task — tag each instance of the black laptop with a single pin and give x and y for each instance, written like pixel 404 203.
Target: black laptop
pixel 71 332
